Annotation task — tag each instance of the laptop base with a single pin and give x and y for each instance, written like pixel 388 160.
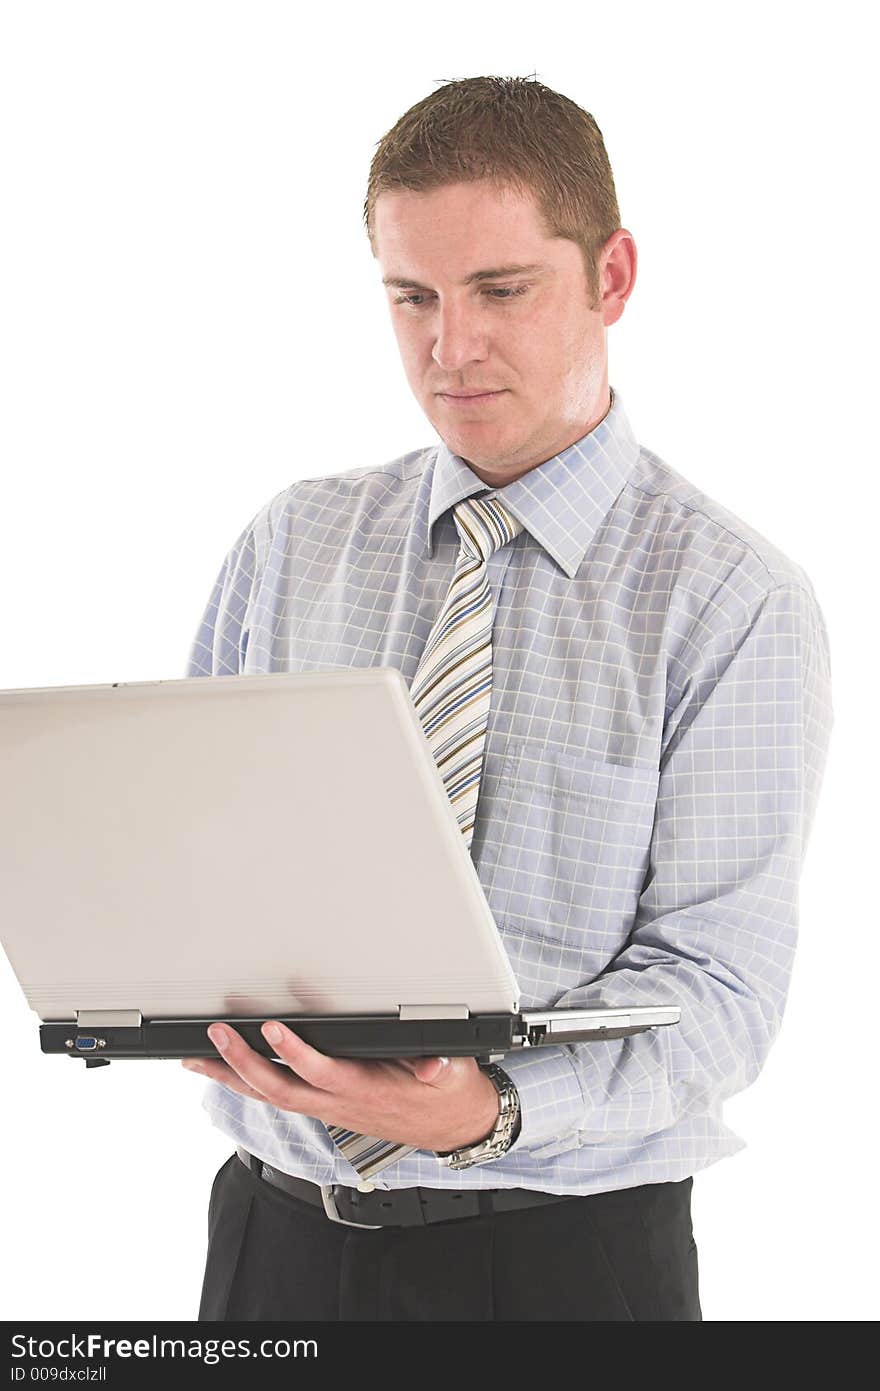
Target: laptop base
pixel 483 1037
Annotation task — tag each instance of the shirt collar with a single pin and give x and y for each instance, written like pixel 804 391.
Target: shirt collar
pixel 560 502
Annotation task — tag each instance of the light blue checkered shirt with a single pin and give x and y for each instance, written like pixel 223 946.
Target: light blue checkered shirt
pixel 658 730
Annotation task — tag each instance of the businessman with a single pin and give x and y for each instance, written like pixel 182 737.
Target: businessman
pixel 627 692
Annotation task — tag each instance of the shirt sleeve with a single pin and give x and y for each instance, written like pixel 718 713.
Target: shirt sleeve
pixel 744 750
pixel 220 645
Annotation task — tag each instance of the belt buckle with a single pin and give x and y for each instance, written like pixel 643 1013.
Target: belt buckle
pixel 330 1208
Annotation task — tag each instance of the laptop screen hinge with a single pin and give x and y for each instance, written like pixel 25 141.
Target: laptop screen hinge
pixel 434 1012
pixel 109 1019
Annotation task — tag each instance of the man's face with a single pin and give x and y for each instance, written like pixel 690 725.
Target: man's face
pixel 484 301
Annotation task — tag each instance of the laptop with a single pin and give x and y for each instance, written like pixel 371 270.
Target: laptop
pixel 243 848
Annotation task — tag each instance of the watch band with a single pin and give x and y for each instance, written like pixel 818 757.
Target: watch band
pixel 503 1133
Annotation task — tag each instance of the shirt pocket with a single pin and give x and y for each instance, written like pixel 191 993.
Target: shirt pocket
pixel 573 852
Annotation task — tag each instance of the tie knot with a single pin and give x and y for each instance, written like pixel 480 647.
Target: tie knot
pixel 484 525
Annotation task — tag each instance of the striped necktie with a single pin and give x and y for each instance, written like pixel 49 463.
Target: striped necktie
pixel 451 691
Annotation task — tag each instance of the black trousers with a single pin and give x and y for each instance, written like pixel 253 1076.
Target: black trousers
pixel 624 1256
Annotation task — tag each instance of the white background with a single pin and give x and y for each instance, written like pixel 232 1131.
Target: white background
pixel 191 319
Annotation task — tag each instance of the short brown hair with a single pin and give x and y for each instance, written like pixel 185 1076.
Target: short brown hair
pixel 517 133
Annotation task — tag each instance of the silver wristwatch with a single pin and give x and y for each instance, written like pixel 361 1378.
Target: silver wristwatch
pixel 504 1132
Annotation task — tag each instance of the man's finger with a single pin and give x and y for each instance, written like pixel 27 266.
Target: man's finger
pixel 430 1069
pixel 219 1072
pixel 273 1083
pixel 327 1074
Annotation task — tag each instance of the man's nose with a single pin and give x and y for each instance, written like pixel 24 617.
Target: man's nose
pixel 460 337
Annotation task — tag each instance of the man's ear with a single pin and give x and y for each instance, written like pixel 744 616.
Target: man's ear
pixel 618 263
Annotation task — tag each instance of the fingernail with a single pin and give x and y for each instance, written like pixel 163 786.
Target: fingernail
pixel 444 1062
pixel 191 1065
pixel 218 1035
pixel 273 1033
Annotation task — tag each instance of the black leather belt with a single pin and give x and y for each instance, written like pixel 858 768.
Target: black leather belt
pixel 398 1207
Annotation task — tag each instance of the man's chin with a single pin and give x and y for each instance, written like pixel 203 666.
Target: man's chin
pixel 481 448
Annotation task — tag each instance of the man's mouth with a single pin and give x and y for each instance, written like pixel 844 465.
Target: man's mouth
pixel 464 396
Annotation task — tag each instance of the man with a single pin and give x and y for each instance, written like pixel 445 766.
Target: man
pixel 646 773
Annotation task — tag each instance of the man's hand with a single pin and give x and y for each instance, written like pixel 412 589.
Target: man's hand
pixel 431 1103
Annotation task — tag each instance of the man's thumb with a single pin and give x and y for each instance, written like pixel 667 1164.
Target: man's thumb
pixel 432 1069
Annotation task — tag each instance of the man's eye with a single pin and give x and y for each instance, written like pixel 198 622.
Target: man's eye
pixel 507 291
pixel 417 299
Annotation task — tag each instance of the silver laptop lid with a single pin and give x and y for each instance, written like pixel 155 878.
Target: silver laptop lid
pixel 241 845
